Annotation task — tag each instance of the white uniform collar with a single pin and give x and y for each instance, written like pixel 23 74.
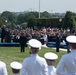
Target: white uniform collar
pixel 15 74
pixel 51 66
pixel 73 51
pixel 34 54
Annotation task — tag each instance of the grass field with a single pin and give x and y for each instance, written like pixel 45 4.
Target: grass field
pixel 9 54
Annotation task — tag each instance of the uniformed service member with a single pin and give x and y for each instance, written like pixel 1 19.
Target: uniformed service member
pixel 3 69
pixel 16 66
pixel 67 64
pixel 34 64
pixel 50 58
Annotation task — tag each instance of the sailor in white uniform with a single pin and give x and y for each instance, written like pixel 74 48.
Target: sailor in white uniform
pixel 3 69
pixel 50 58
pixel 67 64
pixel 34 64
pixel 16 66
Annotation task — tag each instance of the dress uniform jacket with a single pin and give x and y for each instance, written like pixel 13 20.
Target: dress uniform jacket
pixel 23 40
pixel 67 64
pixel 34 65
pixel 52 70
pixel 3 70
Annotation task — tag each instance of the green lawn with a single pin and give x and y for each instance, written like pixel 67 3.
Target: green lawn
pixel 9 54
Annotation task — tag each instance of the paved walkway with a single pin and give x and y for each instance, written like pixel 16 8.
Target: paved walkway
pixel 54 47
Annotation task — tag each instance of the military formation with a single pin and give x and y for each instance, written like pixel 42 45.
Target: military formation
pixel 37 65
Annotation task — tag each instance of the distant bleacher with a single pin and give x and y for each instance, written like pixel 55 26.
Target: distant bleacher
pixel 13 44
pixel 16 44
pixel 53 44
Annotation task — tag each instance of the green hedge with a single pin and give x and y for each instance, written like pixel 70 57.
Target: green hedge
pixel 53 22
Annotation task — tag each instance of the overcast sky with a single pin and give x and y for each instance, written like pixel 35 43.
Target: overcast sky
pixel 60 6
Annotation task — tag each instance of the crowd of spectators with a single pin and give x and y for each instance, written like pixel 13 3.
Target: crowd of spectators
pixel 43 34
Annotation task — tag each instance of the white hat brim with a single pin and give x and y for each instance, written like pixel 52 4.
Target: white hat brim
pixel 71 39
pixel 34 43
pixel 16 65
pixel 50 56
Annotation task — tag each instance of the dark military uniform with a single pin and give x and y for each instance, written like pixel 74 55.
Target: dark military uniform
pixel 22 42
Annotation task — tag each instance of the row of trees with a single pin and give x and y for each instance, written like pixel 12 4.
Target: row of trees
pixel 70 20
pixel 30 19
pixel 12 19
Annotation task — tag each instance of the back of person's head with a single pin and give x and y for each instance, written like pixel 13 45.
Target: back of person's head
pixel 35 45
pixel 50 57
pixel 71 41
pixel 15 66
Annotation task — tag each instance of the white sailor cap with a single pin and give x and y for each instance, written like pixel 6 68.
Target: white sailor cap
pixel 50 56
pixel 16 65
pixel 71 39
pixel 33 43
